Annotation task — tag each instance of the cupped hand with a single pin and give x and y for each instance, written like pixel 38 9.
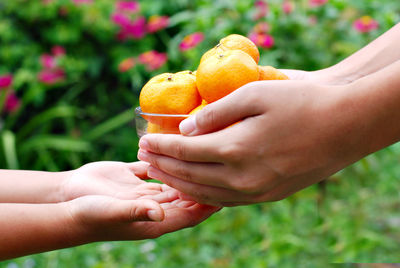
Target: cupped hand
pixel 288 135
pixel 116 179
pixel 103 218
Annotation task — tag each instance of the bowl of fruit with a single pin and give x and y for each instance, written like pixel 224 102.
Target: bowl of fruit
pixel 167 99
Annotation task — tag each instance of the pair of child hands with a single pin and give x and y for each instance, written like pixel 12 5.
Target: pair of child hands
pixel 100 201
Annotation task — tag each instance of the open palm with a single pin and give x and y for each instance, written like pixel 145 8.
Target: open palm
pixel 116 179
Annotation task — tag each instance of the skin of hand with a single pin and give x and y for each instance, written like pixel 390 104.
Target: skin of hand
pixel 291 134
pixel 34 228
pixel 116 179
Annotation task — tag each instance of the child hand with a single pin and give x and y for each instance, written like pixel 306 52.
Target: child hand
pixel 116 179
pixel 103 218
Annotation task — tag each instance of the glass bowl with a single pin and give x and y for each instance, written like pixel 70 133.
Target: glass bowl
pixel 157 123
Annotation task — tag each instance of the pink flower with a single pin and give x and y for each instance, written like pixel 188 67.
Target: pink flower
pixel 5 81
pixel 262 39
pixel 261 27
pixel 126 65
pixel 262 9
pixel 191 41
pixel 153 59
pixel 58 51
pixel 317 3
pixel 287 7
pixel 80 2
pixel 135 29
pixel 128 6
pixel 47 61
pixel 51 76
pixel 120 19
pixel 12 103
pixel 365 24
pixel 157 23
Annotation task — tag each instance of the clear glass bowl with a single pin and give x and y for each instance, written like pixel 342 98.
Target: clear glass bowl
pixel 157 123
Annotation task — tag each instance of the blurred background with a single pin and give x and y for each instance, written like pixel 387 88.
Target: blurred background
pixel 70 76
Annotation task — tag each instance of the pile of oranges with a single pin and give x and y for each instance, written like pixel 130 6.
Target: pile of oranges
pixel 223 69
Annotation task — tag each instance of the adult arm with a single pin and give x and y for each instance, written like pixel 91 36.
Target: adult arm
pixel 376 55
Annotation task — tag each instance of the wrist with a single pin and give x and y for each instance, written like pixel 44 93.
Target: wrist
pixel 335 75
pixel 368 113
pixel 77 231
pixel 63 186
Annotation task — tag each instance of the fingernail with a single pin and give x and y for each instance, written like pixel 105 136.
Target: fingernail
pixel 188 126
pixel 153 173
pixel 154 215
pixel 143 156
pixel 144 144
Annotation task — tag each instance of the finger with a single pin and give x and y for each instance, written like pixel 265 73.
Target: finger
pixel 202 173
pixel 139 168
pixel 136 210
pixel 295 74
pixel 184 148
pixel 164 197
pixel 202 194
pixel 186 197
pixel 178 204
pixel 149 186
pixel 224 112
pixel 177 219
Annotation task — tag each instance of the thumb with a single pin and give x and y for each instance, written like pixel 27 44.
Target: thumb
pixel 136 210
pixel 224 112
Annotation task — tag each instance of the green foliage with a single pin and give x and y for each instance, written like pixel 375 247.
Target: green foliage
pixel 88 116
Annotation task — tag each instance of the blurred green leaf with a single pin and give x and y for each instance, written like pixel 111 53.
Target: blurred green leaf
pixel 110 125
pixel 54 142
pixel 10 152
pixel 44 117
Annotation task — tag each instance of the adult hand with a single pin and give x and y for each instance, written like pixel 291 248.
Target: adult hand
pixel 291 134
pixel 115 179
pixel 103 218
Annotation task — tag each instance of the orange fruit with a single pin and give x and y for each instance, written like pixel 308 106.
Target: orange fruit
pixel 270 73
pixel 221 74
pixel 234 42
pixel 191 73
pixel 198 108
pixel 154 128
pixel 170 94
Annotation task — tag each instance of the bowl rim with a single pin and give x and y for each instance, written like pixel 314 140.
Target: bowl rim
pixel 139 111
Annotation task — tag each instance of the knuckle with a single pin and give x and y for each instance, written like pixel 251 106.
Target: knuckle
pixel 133 213
pixel 178 149
pixel 206 118
pixel 182 172
pixel 231 152
pixel 155 146
pixel 246 185
pixel 154 161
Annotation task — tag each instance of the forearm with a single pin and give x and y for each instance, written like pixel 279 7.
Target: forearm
pixel 374 103
pixel 30 186
pixel 32 228
pixel 378 54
